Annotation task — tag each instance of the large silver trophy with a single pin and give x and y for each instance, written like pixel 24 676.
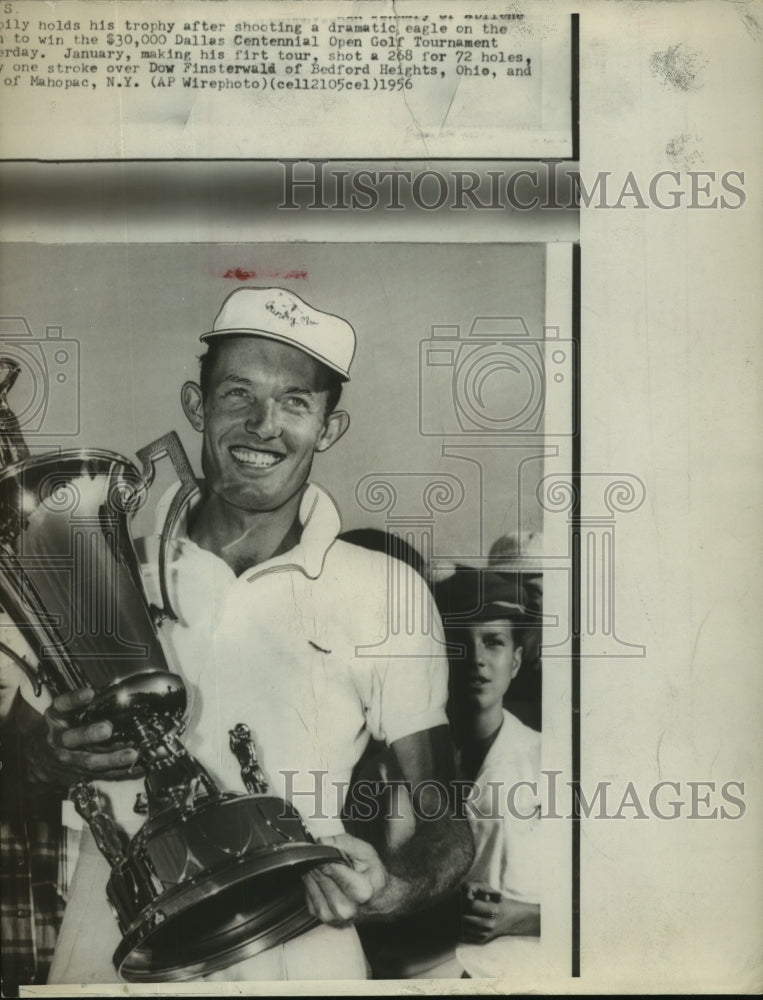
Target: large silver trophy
pixel 211 877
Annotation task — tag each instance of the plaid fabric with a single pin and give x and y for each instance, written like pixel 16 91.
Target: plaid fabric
pixel 31 851
pixel 31 908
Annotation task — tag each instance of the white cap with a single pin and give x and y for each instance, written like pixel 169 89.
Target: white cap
pixel 279 314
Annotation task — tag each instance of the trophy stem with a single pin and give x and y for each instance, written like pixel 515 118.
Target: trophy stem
pixel 174 779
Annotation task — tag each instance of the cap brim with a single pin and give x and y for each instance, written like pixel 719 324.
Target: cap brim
pixel 248 332
pixel 498 611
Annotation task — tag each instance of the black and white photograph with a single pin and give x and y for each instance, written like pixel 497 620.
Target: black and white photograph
pixel 359 635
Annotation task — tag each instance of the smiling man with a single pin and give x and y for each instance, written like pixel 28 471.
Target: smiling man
pixel 282 627
pixel 265 407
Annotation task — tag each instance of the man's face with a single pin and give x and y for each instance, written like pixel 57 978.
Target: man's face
pixel 263 418
pixel 492 661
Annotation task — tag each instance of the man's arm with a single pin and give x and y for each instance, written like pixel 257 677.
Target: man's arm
pixel 416 873
pixel 440 852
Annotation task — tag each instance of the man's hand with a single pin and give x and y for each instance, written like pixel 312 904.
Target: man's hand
pixel 64 752
pixel 338 894
pixel 415 873
pixel 487 914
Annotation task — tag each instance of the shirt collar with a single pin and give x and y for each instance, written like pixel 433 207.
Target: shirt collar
pixel 318 516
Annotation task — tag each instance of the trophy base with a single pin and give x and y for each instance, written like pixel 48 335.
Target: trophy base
pixel 201 891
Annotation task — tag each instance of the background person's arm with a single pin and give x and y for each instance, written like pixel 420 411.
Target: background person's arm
pixel 487 914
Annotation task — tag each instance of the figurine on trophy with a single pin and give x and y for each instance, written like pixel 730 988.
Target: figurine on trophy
pixel 242 747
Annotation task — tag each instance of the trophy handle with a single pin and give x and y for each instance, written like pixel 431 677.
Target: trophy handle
pixel 32 674
pixel 167 446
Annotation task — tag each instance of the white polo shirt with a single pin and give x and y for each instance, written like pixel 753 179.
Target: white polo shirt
pixel 304 649
pixel 301 649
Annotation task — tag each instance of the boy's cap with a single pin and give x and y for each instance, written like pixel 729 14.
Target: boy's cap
pixel 476 596
pixel 278 314
pixel 501 600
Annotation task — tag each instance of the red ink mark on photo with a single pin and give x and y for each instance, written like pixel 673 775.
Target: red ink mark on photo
pixel 240 274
